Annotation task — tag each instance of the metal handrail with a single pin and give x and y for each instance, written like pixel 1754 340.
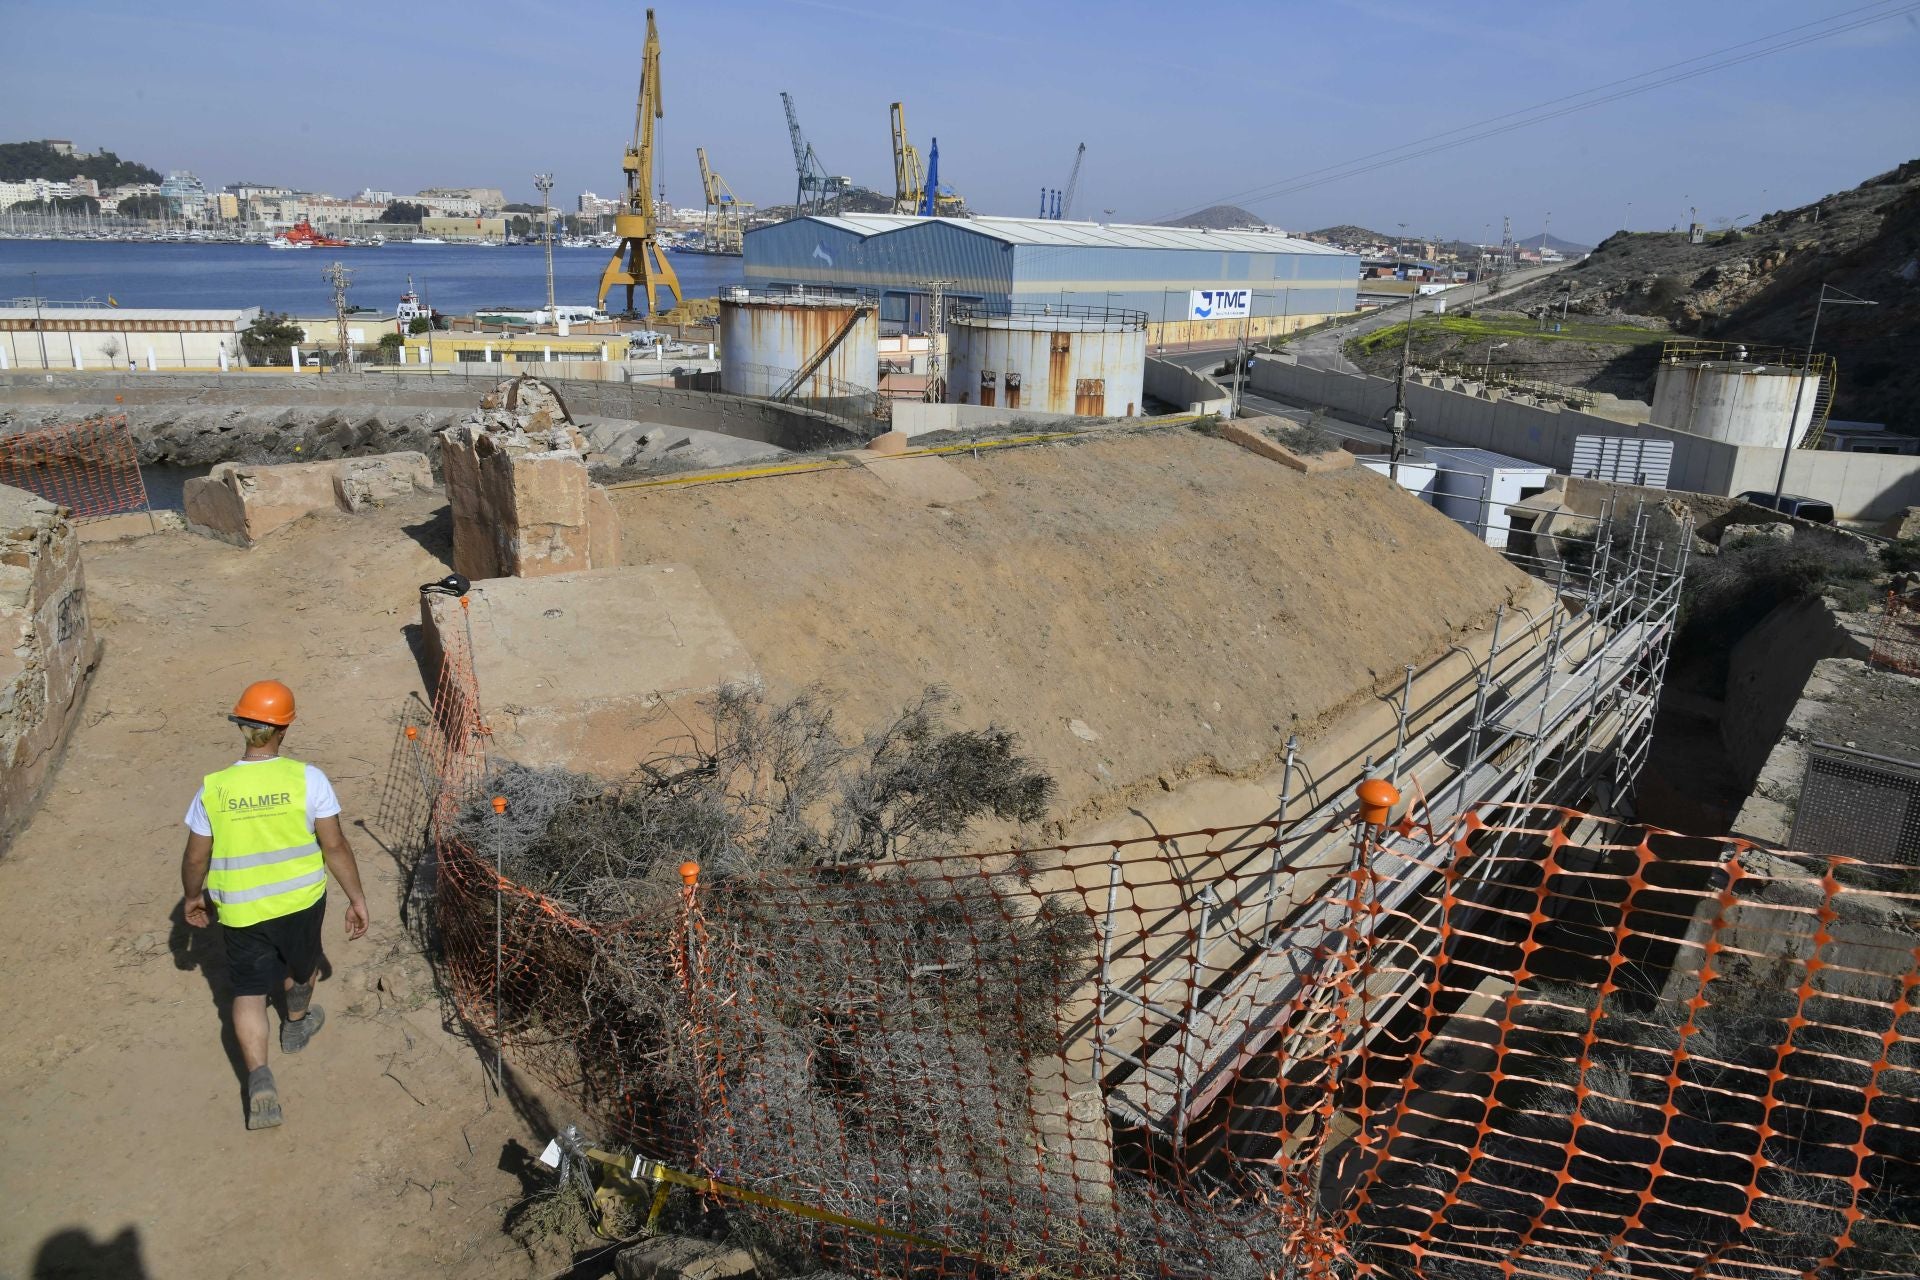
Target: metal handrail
pixel 1119 317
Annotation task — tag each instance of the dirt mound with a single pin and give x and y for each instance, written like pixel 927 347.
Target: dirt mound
pixel 1140 608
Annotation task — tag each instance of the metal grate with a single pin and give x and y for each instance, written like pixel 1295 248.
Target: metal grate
pixel 1859 805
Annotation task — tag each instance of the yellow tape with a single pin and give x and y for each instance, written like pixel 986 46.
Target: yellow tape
pixel 647 1180
pixel 743 473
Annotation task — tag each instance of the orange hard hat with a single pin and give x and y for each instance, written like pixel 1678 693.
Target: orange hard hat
pixel 265 702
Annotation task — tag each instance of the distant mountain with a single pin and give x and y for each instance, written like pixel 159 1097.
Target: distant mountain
pixel 1566 248
pixel 1347 233
pixel 20 161
pixel 1219 217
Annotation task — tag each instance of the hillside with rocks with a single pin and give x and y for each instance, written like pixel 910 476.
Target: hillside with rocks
pixel 1756 284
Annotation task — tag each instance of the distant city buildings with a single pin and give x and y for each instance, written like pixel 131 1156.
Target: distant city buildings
pixel 476 210
pixel 459 202
pixel 189 194
pixel 593 206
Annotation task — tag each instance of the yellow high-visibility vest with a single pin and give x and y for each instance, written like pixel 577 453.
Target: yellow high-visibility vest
pixel 266 860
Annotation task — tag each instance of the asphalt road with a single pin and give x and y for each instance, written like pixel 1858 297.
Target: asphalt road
pixel 1322 350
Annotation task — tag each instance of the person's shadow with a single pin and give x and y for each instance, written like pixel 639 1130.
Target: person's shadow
pixel 206 950
pixel 71 1254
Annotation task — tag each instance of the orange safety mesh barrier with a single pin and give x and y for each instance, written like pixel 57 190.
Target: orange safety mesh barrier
pixel 1896 643
pixel 89 467
pixel 1541 1044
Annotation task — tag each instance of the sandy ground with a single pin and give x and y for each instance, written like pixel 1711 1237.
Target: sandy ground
pixel 119 1095
pixel 1143 608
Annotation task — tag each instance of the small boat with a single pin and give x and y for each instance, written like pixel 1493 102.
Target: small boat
pixel 289 244
pixel 302 235
pixel 426 240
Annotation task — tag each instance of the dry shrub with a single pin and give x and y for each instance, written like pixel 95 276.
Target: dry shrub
pixel 850 1020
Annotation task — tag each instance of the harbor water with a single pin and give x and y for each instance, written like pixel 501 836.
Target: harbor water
pixel 455 279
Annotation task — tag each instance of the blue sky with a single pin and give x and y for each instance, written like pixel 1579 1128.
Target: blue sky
pixel 1179 104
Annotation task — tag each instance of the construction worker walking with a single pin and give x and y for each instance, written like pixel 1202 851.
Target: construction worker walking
pixel 263 834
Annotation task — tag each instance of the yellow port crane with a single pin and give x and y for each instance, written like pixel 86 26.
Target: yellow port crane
pixel 726 216
pixel 908 174
pixel 645 265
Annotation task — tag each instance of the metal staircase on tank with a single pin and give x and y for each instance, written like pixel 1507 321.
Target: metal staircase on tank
pixel 1828 373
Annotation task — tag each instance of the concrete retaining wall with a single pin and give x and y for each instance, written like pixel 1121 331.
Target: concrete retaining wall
pixel 918 418
pixel 744 418
pixel 1861 486
pixel 1768 669
pixel 47 649
pixel 1185 388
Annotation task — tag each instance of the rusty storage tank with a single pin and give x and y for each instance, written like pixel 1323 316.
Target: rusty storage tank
pixel 1740 401
pixel 807 348
pixel 1047 358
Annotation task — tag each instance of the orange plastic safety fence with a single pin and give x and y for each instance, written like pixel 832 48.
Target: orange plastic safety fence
pixel 1540 1045
pixel 90 467
pixel 1896 642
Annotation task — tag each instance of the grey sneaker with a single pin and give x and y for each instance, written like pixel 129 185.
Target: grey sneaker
pixel 294 1035
pixel 263 1100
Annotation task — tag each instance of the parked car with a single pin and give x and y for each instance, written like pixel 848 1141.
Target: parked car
pixel 1792 504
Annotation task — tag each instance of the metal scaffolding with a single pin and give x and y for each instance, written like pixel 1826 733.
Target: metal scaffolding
pixel 1558 710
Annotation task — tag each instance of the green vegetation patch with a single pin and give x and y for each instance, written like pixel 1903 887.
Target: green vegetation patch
pixel 1476 329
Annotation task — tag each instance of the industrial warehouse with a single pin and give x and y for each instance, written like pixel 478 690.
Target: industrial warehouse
pixel 1002 264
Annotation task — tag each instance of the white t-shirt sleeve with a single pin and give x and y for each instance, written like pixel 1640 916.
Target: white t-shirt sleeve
pixel 321 802
pixel 197 814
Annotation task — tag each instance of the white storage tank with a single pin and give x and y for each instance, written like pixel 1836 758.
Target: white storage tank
pixel 1089 361
pixel 1739 401
pixel 767 340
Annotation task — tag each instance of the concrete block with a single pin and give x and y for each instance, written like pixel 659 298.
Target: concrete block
pixel 893 442
pixel 242 503
pixel 47 649
pixel 541 646
pixel 1255 441
pixel 603 530
pixel 361 483
pixel 682 1258
pixel 520 501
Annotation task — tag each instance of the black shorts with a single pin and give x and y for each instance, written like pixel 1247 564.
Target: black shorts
pixel 260 955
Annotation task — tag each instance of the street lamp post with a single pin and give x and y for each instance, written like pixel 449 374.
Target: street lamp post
pixel 1844 300
pixel 544 181
pixel 1397 416
pixel 1486 370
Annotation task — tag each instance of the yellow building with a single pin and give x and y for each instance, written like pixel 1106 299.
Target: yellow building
pixel 465 228
pixel 450 348
pixel 226 205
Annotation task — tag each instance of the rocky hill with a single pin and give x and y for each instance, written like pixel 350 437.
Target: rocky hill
pixel 1758 284
pixel 1347 233
pixel 1753 284
pixel 1219 217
